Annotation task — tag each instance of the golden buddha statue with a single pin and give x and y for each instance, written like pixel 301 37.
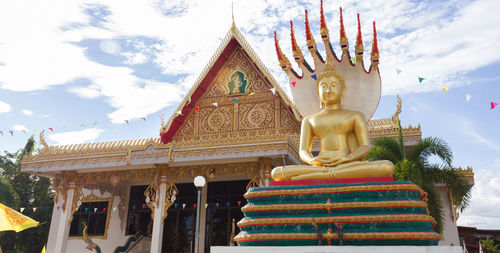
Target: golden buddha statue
pixel 342 135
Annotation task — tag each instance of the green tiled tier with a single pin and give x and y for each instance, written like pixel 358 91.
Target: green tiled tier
pixel 378 213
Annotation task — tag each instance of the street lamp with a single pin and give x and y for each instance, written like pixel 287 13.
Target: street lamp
pixel 199 182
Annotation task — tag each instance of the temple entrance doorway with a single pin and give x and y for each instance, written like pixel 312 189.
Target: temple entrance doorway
pixel 222 202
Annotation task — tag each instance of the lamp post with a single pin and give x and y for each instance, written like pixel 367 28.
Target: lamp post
pixel 199 182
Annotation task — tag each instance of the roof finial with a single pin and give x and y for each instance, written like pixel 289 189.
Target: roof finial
pixel 232 11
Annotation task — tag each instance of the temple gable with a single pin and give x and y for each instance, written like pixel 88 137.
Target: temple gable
pixel 238 106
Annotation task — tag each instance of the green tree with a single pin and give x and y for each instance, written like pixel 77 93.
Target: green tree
pixel 32 191
pixel 417 167
pixel 489 245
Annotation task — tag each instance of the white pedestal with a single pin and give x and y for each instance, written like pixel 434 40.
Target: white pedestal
pixel 337 249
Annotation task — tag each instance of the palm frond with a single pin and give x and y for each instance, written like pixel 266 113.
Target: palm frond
pixel 381 153
pixel 391 146
pixel 431 146
pixel 459 186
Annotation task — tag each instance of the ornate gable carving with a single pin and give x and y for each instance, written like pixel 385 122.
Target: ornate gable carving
pixel 246 107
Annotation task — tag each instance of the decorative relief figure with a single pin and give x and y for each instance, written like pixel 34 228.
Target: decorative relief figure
pixel 238 84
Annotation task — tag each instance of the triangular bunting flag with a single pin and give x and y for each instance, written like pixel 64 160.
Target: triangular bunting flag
pixel 162 116
pixel 420 79
pixel 104 209
pixel 293 84
pixel 175 205
pixel 126 121
pixel 24 131
pixel 143 118
pixel 34 209
pixel 1 133
pixel 197 109
pixel 143 206
pixel 493 105
pixel 35 130
pixel 217 204
pixel 445 88
pixel 46 208
pixel 114 208
pixel 86 209
pixel 22 209
pixel 95 209
pixel 51 129
pixel 468 97
pixel 183 205
pixel 314 76
pixel 239 202
pixel 133 207
pixel 234 100
pixel 227 203
pixel 273 90
pixel 398 71
pixel 11 132
pixel 58 208
pixel 94 123
pixel 206 205
pixel 215 104
pixel 194 205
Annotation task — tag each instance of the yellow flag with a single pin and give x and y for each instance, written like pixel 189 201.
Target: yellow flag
pixel 445 88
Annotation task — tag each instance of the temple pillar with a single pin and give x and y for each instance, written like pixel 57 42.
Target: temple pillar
pixel 157 233
pixel 59 226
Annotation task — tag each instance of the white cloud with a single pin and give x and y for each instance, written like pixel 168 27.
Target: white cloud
pixel 20 128
pixel 110 46
pixel 4 107
pixel 485 195
pixel 439 41
pixel 85 92
pixel 468 128
pixel 27 112
pixel 75 136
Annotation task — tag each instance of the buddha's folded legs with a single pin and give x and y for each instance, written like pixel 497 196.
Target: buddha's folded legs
pixel 347 170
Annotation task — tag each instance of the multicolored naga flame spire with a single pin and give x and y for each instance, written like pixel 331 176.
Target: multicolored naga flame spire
pixel 363 86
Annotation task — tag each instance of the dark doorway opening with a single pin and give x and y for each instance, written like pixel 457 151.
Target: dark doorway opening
pixel 224 202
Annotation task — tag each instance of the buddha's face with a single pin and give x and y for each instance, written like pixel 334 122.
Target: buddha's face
pixel 330 90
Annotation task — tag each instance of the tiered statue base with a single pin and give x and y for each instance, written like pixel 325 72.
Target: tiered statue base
pixel 374 212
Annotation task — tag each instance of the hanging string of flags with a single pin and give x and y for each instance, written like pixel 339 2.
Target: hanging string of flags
pixel 446 88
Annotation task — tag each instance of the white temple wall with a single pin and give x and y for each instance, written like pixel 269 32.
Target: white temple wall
pixel 450 231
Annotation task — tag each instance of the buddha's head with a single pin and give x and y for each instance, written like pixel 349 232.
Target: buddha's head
pixel 331 86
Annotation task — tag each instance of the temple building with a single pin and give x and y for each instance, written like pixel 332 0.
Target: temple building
pixel 233 127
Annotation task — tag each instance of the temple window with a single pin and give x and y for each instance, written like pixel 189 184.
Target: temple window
pixel 95 215
pixel 139 214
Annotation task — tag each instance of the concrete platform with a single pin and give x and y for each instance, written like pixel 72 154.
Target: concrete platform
pixel 337 249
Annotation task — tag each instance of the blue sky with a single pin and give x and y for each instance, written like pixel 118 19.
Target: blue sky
pixel 84 67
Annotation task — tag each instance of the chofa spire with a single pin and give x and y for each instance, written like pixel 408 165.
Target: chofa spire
pixel 325 36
